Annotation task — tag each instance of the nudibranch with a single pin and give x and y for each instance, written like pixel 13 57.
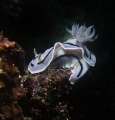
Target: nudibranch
pixel 72 53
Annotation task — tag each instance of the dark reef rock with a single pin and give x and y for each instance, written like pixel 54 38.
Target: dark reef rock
pixel 11 69
pixel 24 96
pixel 48 94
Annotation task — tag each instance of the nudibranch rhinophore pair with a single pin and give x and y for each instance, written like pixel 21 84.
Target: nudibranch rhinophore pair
pixel 72 53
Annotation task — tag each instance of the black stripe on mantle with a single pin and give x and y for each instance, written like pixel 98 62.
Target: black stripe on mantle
pixel 45 57
pixel 69 55
pixel 77 46
pixel 70 44
pixel 52 49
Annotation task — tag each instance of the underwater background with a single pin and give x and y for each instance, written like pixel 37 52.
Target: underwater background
pixel 41 23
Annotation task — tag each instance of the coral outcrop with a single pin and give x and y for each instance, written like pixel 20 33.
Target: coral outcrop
pixel 11 69
pixel 48 94
pixel 23 96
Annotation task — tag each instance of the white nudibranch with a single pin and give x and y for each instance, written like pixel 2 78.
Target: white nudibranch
pixel 73 52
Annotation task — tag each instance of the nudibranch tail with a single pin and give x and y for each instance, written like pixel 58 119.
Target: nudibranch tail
pixel 71 54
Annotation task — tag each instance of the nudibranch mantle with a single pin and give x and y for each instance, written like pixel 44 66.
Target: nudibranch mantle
pixel 73 52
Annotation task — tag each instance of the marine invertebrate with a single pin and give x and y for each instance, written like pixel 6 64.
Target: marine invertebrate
pixel 47 93
pixel 72 53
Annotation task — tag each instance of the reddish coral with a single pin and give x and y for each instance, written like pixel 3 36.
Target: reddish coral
pixel 4 42
pixel 17 93
pixel 41 96
pixel 12 111
pixel 11 69
pixel 12 54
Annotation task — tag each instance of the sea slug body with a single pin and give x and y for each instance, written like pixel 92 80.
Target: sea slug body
pixel 73 52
